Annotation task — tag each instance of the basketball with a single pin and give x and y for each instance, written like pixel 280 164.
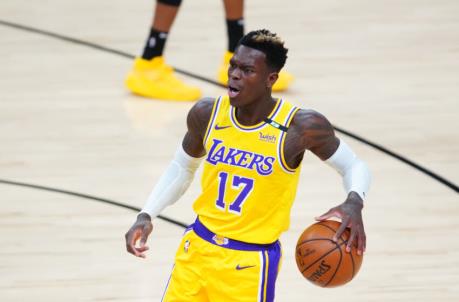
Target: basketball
pixel 324 262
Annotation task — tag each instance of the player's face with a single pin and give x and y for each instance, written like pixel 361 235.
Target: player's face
pixel 249 77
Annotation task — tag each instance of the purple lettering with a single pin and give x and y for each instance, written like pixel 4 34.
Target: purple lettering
pixel 235 157
pixel 257 159
pixel 230 158
pixel 267 167
pixel 242 161
pixel 210 158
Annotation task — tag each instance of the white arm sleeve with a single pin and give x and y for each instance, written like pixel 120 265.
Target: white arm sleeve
pixel 355 172
pixel 173 183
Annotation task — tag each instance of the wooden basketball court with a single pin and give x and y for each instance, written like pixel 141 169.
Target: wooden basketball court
pixel 387 71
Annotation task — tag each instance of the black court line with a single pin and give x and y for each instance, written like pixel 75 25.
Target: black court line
pixel 98 47
pixel 418 167
pixel 91 197
pixel 402 159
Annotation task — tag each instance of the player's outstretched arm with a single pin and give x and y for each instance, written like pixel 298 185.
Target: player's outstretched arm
pixel 175 180
pixel 317 135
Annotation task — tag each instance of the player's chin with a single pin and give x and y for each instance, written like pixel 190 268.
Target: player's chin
pixel 235 101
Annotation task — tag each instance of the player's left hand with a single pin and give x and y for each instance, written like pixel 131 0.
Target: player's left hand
pixel 350 213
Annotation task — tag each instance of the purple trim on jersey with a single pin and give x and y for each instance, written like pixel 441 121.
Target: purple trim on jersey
pixel 211 237
pixel 263 280
pixel 274 256
pixel 277 110
pixel 279 151
pixel 212 120
pixel 233 114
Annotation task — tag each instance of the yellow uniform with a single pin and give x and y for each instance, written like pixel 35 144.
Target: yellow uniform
pixel 247 193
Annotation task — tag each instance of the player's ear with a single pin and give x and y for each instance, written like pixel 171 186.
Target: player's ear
pixel 272 78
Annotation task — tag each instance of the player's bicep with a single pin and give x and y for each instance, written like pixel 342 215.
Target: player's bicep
pixel 318 134
pixel 197 121
pixel 326 146
pixel 193 146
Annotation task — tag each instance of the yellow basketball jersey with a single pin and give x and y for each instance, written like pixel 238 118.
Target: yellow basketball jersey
pixel 247 187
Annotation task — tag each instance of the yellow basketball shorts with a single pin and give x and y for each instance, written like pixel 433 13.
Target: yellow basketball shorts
pixel 213 268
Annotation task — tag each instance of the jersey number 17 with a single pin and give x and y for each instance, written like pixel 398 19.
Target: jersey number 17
pixel 237 183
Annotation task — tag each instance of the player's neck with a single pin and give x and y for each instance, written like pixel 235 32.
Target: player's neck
pixel 255 112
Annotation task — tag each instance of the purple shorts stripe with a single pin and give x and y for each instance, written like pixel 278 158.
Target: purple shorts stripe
pixel 167 285
pixel 274 256
pixel 263 278
pixel 211 237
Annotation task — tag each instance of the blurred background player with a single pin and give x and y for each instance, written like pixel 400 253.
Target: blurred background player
pixel 152 77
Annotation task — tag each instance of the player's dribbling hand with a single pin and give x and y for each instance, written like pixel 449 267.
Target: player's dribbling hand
pixel 141 229
pixel 350 213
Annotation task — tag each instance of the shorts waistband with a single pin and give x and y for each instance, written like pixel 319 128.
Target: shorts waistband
pixel 213 238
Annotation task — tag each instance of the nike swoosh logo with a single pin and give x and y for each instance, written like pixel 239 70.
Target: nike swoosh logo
pixel 217 127
pixel 243 267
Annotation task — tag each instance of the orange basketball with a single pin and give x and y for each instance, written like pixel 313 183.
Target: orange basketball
pixel 321 260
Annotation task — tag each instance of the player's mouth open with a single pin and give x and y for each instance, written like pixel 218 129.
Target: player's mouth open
pixel 233 92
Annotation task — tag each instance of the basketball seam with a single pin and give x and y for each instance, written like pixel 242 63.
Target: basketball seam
pixel 315 239
pixel 324 255
pixel 329 227
pixel 337 267
pixel 350 254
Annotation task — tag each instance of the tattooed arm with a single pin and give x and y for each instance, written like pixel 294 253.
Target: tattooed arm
pixel 312 131
pixel 197 121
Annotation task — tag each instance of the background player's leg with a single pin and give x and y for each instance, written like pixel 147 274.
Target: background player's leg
pixel 151 76
pixel 234 12
pixel 162 22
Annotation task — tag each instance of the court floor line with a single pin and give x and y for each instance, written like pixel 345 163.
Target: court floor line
pixel 98 47
pixel 90 197
pixel 403 159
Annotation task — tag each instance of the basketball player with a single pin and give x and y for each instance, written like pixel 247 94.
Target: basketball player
pixel 252 146
pixel 152 77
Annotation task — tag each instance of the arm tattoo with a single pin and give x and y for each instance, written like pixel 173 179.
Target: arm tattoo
pixel 197 121
pixel 315 133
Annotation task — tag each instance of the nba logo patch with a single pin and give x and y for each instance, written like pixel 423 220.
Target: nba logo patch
pixel 220 240
pixel 186 246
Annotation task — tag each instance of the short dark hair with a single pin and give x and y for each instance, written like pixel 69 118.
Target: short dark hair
pixel 270 44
